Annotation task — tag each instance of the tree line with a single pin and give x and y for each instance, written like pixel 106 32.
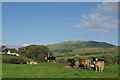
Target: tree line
pixel 36 52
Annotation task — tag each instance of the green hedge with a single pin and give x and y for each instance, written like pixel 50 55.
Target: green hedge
pixel 109 59
pixel 14 61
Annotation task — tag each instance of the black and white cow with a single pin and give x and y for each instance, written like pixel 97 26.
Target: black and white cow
pixel 71 62
pixel 50 59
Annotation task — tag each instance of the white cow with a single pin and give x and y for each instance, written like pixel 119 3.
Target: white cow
pixel 32 62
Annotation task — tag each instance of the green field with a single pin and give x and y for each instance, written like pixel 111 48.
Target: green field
pixel 104 51
pixel 55 70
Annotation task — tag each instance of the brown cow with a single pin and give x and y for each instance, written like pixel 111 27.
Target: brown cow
pixel 86 63
pixel 99 65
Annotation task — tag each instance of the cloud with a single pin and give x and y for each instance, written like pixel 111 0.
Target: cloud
pixel 102 20
pixel 108 7
pixel 98 23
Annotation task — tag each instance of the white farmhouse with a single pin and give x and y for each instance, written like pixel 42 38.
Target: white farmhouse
pixel 12 53
pixel 9 52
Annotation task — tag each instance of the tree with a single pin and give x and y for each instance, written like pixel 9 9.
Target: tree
pixel 4 49
pixel 36 52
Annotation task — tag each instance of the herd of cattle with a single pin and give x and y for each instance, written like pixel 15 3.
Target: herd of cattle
pixel 95 63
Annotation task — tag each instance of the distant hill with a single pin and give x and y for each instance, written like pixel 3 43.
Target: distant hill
pixel 79 44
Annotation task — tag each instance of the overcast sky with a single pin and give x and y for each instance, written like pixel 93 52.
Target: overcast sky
pixel 52 22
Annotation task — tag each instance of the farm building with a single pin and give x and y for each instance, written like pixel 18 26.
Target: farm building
pixel 12 53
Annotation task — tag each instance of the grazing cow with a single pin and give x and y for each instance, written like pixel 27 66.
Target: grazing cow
pixel 71 62
pixel 50 58
pixel 35 63
pixel 86 63
pixel 67 66
pixel 32 62
pixel 99 65
pixel 27 62
pixel 92 65
pixel 77 63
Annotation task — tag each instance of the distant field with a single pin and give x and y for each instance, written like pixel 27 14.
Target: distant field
pixel 57 70
pixel 104 51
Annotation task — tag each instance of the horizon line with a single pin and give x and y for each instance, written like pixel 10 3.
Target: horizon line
pixel 27 44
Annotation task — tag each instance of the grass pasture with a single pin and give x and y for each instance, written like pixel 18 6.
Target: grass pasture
pixel 55 70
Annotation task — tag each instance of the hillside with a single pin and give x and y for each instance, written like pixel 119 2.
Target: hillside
pixel 79 44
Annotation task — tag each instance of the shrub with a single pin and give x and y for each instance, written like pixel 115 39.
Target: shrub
pixel 109 59
pixel 41 58
pixel 14 60
pixel 5 60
